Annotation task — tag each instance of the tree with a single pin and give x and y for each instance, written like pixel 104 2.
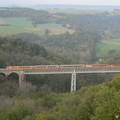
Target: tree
pixel 42 116
pixel 47 32
pixel 20 112
pixel 2 62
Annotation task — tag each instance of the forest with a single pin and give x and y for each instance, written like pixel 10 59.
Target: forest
pixel 78 46
pixel 48 97
pixel 89 103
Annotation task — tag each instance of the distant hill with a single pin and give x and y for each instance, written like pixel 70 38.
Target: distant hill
pixel 84 7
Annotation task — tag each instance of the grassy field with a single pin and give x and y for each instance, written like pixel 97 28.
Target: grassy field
pixel 51 26
pixel 16 21
pixel 2 22
pixel 2 9
pixel 9 30
pixel 20 25
pixel 106 45
pixel 78 11
pixel 112 42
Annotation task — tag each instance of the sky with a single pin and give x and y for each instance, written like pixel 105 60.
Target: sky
pixel 71 2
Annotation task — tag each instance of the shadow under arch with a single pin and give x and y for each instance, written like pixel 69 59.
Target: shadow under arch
pixel 3 77
pixel 13 77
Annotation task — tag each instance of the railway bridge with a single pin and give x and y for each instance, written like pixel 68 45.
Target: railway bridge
pixel 73 71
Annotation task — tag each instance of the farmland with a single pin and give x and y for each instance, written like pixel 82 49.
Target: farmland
pixel 51 26
pixel 2 22
pixel 112 42
pixel 106 45
pixel 18 21
pixel 75 11
pixel 9 30
pixel 20 25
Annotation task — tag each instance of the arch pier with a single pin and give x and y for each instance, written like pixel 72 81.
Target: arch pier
pixel 22 76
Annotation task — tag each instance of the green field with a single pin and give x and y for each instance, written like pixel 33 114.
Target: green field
pixel 20 25
pixel 106 45
pixel 16 21
pixel 51 26
pixel 2 22
pixel 9 30
pixel 74 11
pixel 112 42
pixel 2 9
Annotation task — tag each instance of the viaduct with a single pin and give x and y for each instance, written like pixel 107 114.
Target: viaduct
pixel 73 71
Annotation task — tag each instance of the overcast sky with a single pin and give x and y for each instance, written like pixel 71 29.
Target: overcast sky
pixel 75 2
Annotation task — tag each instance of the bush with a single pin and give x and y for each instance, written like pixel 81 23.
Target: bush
pixel 20 112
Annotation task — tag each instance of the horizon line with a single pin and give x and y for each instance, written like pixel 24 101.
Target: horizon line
pixel 56 4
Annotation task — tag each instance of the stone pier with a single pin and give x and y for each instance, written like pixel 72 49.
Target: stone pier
pixel 22 76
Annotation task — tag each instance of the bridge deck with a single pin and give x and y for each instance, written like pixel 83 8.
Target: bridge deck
pixel 71 70
pixel 66 70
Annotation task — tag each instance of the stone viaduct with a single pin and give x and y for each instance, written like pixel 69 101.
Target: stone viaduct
pixel 20 73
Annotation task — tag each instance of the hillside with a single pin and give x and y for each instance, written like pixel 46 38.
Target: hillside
pixel 17 20
pixel 20 51
pixel 14 51
pixel 38 16
pixel 80 45
pixel 88 103
pixel 84 46
pixel 105 22
pixel 63 31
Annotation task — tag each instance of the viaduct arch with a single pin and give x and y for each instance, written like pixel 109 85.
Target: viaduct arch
pixel 21 75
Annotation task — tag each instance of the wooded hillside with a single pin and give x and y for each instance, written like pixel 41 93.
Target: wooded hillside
pixel 88 103
pixel 14 51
